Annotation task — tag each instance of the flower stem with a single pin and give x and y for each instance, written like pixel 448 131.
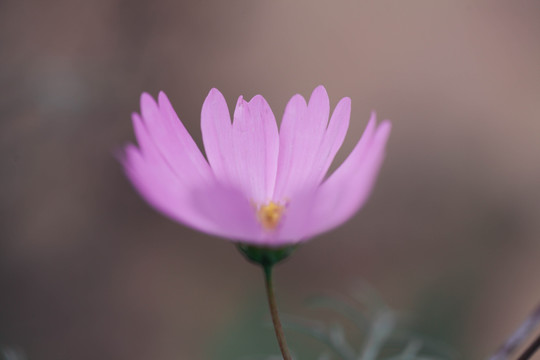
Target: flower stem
pixel 274 312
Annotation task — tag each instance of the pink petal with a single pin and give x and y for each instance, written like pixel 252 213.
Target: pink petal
pixel 348 188
pixel 169 171
pixel 297 220
pixel 164 129
pixel 160 187
pixel 217 136
pixel 300 137
pixel 256 146
pixel 207 207
pixel 333 138
pixel 319 110
pixel 230 212
pixel 184 150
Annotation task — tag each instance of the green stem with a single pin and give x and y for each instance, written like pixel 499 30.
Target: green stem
pixel 274 312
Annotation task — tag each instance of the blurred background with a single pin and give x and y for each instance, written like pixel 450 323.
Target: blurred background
pixel 450 237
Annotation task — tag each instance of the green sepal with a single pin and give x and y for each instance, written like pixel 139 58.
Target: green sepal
pixel 265 256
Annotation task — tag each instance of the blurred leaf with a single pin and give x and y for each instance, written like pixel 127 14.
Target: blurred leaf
pixel 340 306
pixel 9 353
pixel 359 327
pixel 376 335
pixel 333 337
pixel 381 329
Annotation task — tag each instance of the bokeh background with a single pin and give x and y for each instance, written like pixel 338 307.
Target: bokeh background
pixel 450 237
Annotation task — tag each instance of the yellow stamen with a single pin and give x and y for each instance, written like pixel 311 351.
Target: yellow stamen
pixel 269 215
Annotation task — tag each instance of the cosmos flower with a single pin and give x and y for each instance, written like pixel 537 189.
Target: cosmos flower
pixel 257 185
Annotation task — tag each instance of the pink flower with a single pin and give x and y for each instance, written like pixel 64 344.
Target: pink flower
pixel 259 186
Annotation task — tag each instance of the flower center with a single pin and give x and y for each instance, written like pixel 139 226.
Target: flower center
pixel 270 214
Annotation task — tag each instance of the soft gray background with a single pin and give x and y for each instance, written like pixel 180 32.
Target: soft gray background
pixel 451 234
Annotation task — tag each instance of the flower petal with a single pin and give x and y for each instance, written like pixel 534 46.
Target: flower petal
pixel 256 146
pixel 207 207
pixel 347 189
pixel 333 138
pixel 217 136
pixel 183 150
pixel 300 137
pixel 163 128
pixel 297 220
pixel 319 109
pixel 230 212
pixel 156 181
